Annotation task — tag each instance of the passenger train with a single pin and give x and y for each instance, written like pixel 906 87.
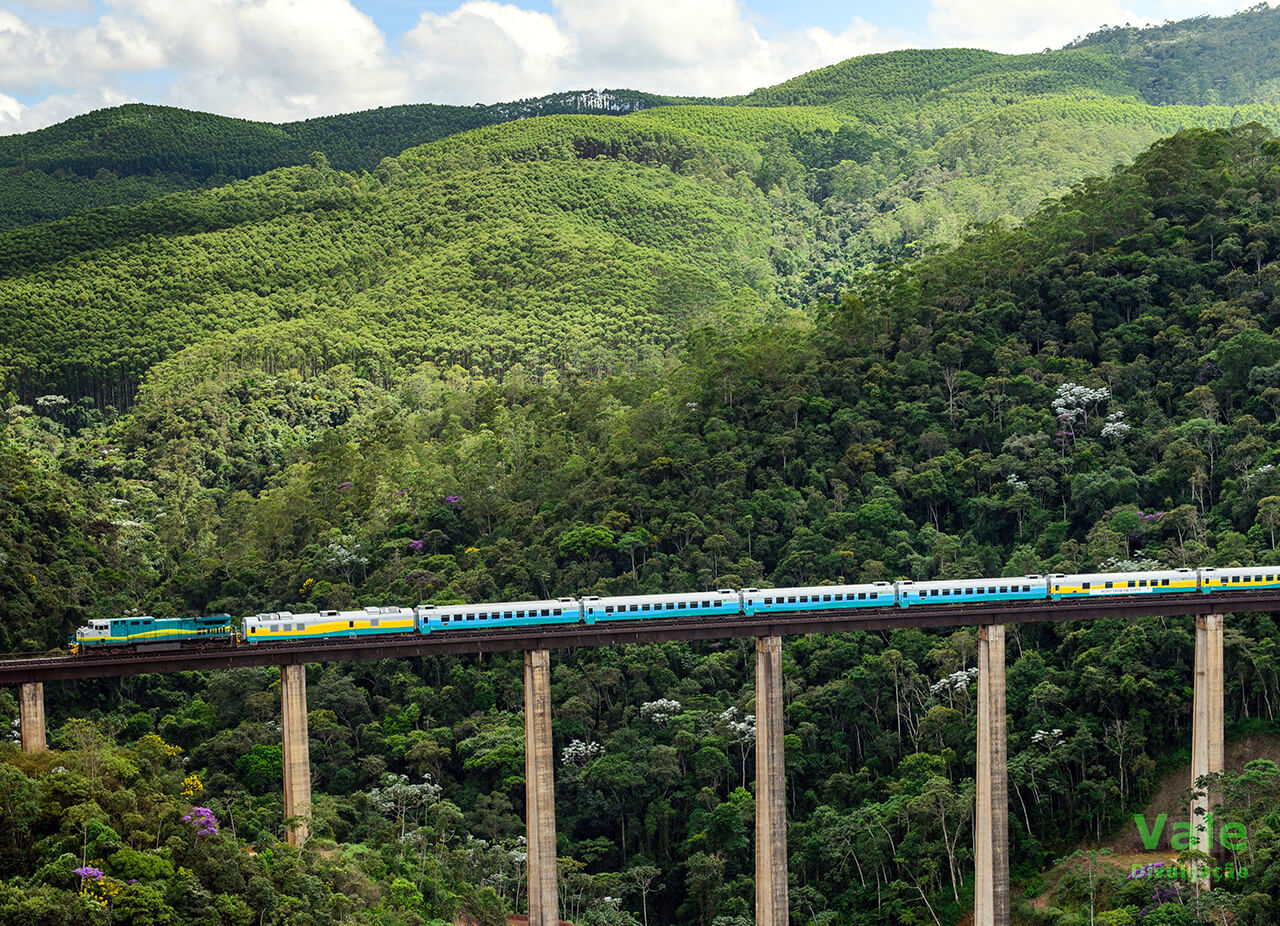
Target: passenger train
pixel 723 604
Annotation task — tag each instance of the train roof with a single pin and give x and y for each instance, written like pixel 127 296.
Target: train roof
pixel 677 597
pixel 996 580
pixel 503 605
pixel 821 589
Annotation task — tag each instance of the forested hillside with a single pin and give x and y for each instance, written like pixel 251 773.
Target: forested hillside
pixel 137 152
pixel 1095 388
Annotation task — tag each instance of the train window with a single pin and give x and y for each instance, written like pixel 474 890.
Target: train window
pixel 1131 583
pixel 684 604
pixel 644 607
pixel 719 604
pixel 556 612
pixel 826 597
pixel 839 596
pixel 351 623
pixel 875 595
pixel 946 593
pixel 862 596
pixel 253 629
pixel 1085 586
pixel 506 614
pixel 1164 581
pixel 635 607
pixel 804 599
pixel 706 604
pixel 1108 585
pixel 791 599
pixel 768 601
pixel 1270 578
pixel 608 609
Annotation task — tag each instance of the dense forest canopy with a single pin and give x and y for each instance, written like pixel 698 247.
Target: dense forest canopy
pixel 1091 389
pixel 681 348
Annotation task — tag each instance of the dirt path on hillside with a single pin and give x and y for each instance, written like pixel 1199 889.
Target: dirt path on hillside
pixel 1168 797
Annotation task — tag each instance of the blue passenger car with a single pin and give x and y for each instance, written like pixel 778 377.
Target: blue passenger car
pixel 962 591
pixel 720 603
pixel 500 614
pixel 817 598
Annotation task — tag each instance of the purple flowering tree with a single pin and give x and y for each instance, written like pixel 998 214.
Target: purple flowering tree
pixel 202 818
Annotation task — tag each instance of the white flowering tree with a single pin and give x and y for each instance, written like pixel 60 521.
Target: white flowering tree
pixel 660 711
pixel 740 733
pixel 1075 402
pixel 404 801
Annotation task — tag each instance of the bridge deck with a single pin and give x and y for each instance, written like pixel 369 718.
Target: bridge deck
pixel 401 646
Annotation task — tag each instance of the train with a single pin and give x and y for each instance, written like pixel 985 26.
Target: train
pixel 148 632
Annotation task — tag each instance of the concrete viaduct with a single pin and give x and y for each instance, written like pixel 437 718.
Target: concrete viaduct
pixel 991 824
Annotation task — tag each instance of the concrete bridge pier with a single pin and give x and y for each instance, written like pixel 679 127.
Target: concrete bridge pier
pixel 991 822
pixel 771 792
pixel 1208 749
pixel 31 717
pixel 297 756
pixel 540 791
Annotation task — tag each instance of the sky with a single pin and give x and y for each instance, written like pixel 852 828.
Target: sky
pixel 280 60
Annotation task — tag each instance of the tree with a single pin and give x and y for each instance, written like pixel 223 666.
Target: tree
pixel 642 876
pixel 1269 515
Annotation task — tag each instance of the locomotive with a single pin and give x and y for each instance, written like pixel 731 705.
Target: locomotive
pixel 721 604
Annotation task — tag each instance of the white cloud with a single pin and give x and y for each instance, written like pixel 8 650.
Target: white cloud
pixel 57 4
pixel 709 48
pixel 485 52
pixel 1034 25
pixel 268 59
pixel 1021 25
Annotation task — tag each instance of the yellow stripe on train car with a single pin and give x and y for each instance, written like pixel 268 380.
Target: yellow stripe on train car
pixel 334 627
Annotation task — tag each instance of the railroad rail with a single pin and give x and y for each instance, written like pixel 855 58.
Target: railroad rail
pixel 570 636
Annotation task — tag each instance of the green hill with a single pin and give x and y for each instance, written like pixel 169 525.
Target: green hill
pixel 566 243
pixel 559 243
pixel 914 97
pixel 137 152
